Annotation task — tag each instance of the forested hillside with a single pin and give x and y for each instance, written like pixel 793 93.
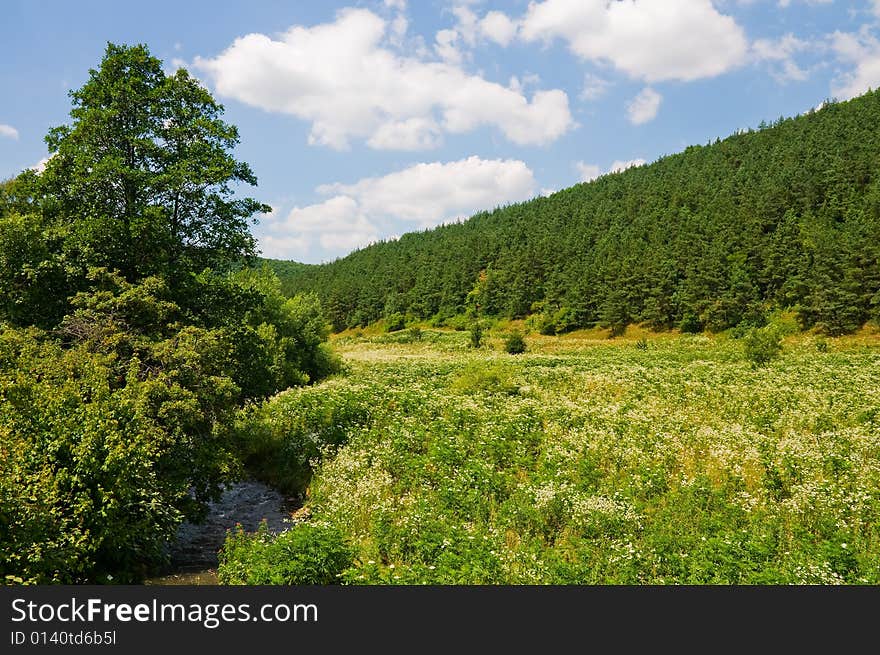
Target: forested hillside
pixel 787 216
pixel 286 272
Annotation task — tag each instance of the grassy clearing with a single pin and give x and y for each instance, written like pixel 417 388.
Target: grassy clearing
pixel 593 461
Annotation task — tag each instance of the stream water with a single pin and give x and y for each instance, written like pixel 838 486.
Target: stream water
pixel 194 553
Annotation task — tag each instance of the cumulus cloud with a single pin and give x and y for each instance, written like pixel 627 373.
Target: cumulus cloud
pixel 453 44
pixel 428 194
pixel 341 78
pixel 8 131
pixel 781 52
pixel 644 107
pixel 497 27
pixel 418 197
pixel 672 40
pixel 589 172
pixel 862 51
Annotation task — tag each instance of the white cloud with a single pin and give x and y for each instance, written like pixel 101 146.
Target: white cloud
pixel 594 87
pixel 400 5
pixel 398 29
pixel 497 27
pixel 277 246
pixel 411 134
pixel 40 166
pixel 341 78
pixel 446 47
pixel 418 197
pixel 467 24
pixel 428 194
pixel 469 29
pixel 589 172
pixel 8 131
pixel 644 107
pixel 781 51
pixel 619 166
pixel 862 51
pixel 672 40
pixel 338 225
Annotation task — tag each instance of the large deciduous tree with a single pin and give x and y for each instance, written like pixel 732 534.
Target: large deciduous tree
pixel 143 174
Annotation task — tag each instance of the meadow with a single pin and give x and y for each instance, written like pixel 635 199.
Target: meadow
pixel 647 459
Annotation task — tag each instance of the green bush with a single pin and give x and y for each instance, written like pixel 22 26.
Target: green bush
pixel 514 344
pixel 304 555
pixel 98 469
pixel 690 323
pixel 543 324
pixel 281 439
pixel 395 322
pixel 480 377
pixel 476 334
pixel 761 345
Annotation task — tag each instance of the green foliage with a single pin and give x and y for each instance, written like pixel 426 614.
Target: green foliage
pixel 514 343
pixel 761 345
pixel 33 276
pixel 615 313
pixel 281 440
pixel 549 323
pixel 292 332
pixel 143 174
pixel 543 323
pixel 475 334
pixel 123 360
pixel 286 272
pixel 482 377
pixel 395 322
pixel 303 555
pixel 100 459
pixel 415 333
pixel 690 324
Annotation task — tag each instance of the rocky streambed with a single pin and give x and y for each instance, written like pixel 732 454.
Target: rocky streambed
pixel 194 552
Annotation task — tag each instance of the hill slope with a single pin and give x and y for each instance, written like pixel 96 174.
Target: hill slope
pixel 287 272
pixel 787 216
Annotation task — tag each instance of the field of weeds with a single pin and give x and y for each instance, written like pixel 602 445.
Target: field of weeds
pixel 666 460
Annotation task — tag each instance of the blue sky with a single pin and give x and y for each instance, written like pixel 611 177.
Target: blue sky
pixel 367 119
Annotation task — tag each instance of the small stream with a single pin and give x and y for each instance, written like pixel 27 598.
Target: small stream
pixel 194 553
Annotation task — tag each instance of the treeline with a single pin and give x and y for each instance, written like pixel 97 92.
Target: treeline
pixel 786 216
pixel 286 271
pixel 132 328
